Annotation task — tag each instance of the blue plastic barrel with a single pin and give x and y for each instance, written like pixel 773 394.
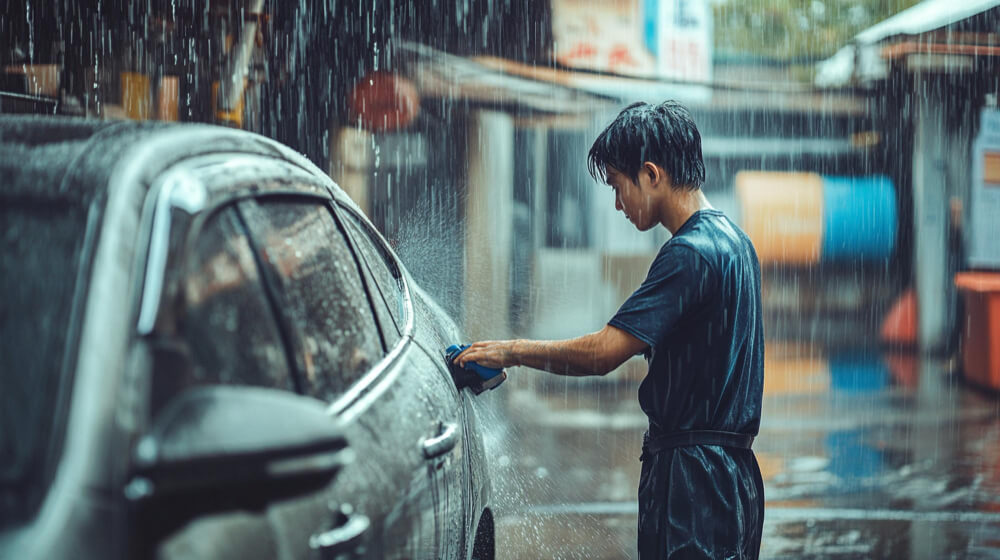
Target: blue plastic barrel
pixel 858 371
pixel 859 218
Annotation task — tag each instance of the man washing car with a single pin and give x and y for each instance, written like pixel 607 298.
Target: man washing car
pixel 697 319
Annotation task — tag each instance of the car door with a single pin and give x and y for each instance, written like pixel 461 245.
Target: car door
pixel 223 332
pixel 363 371
pixel 450 471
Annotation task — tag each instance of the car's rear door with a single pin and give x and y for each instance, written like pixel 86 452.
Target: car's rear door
pixel 450 469
pixel 366 374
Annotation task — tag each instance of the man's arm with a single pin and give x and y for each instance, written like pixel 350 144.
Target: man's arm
pixel 593 354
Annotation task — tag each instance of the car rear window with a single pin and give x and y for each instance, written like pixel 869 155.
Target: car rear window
pixel 381 267
pixel 321 290
pixel 40 251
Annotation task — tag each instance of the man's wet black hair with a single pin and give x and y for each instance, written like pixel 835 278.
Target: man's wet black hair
pixel 664 134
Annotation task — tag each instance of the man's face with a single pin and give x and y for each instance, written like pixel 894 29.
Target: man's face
pixel 632 198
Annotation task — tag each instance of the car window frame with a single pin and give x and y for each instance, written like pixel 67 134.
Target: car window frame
pixel 279 293
pixel 367 388
pixel 184 268
pixel 395 268
pixel 171 231
pixel 160 238
pixel 166 245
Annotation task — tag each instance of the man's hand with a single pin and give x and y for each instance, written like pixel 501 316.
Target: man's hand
pixel 497 354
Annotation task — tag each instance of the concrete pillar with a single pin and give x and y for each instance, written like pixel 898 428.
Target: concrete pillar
pixel 959 184
pixel 540 222
pixel 540 200
pixel 930 218
pixel 351 158
pixel 489 211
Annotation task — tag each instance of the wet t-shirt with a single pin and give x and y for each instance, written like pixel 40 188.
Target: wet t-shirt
pixel 699 311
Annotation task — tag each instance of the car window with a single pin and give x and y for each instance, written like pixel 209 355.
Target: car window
pixel 386 322
pixel 225 322
pixel 40 253
pixel 381 265
pixel 321 291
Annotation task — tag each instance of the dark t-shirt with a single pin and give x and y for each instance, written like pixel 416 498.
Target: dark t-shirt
pixel 699 310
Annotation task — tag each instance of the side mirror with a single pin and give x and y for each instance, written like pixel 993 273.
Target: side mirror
pixel 215 438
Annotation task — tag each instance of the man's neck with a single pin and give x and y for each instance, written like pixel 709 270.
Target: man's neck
pixel 681 206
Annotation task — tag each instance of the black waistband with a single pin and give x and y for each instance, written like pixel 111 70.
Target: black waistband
pixel 651 445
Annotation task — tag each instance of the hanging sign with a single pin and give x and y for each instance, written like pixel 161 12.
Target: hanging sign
pixel 658 39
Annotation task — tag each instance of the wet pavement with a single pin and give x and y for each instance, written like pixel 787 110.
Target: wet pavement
pixel 863 455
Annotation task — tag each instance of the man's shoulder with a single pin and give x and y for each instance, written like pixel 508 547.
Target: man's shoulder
pixel 678 247
pixel 698 241
pixel 715 237
pixel 687 254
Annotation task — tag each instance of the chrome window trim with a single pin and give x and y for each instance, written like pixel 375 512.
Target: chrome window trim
pixel 178 189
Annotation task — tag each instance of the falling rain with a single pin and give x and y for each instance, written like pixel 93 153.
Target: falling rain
pixel 243 240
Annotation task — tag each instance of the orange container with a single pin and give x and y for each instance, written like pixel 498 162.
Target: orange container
pixel 981 342
pixel 135 95
pixel 782 214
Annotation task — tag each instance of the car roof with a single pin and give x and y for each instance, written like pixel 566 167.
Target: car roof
pixel 74 159
pixel 36 152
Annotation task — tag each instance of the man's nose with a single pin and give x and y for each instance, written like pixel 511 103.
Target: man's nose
pixel 618 203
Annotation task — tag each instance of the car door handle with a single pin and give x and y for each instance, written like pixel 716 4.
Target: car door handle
pixel 344 540
pixel 441 443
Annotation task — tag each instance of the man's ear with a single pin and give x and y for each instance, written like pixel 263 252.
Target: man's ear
pixel 653 171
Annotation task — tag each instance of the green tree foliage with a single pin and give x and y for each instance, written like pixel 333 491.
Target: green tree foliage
pixel 794 30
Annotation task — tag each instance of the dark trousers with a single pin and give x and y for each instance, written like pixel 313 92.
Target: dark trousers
pixel 701 501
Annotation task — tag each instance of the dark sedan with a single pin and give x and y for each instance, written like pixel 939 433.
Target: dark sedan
pixel 209 352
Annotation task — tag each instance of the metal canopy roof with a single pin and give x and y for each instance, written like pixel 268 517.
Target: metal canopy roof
pixel 523 87
pixel 444 75
pixel 925 16
pixel 862 60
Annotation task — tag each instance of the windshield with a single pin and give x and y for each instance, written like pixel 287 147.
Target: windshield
pixel 40 247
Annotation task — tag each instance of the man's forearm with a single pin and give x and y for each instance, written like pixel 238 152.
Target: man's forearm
pixel 593 354
pixel 577 357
